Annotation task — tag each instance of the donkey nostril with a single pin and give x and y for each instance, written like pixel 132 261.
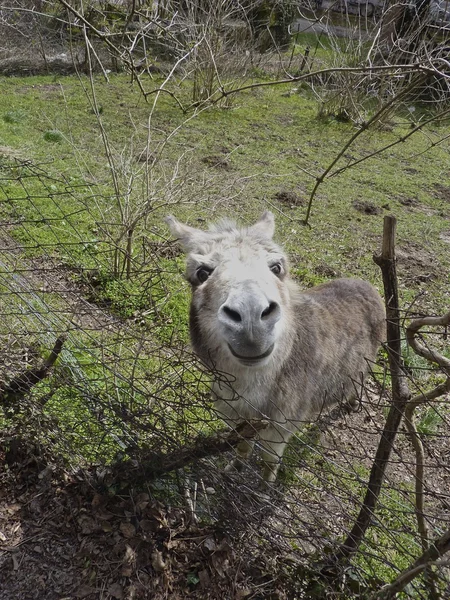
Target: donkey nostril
pixel 273 306
pixel 232 314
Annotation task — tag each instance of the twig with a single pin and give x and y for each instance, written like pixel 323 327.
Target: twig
pixel 364 127
pixel 153 464
pixel 419 475
pixel 437 549
pixel 400 140
pixel 412 68
pixel 190 504
pixel 431 355
pixel 435 357
pixel 439 390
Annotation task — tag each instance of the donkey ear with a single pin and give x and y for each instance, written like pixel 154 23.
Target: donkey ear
pixel 265 226
pixel 189 237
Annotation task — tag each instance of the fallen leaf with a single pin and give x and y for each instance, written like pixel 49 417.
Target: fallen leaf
pixel 157 561
pixel 116 591
pixel 149 525
pixel 204 578
pixel 130 555
pixel 128 530
pixel 84 590
pixel 126 571
pixel 129 561
pixel 210 543
pixel 15 560
pixel 98 500
pixel 240 594
pixel 87 525
pixel 142 501
pixel 221 564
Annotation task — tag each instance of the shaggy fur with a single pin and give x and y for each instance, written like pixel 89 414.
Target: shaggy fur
pixel 288 354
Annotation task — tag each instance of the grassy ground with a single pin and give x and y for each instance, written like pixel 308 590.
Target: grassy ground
pixel 263 152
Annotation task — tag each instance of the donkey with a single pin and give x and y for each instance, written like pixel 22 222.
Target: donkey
pixel 289 353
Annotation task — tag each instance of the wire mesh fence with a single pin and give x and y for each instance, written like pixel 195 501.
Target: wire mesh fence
pixel 106 387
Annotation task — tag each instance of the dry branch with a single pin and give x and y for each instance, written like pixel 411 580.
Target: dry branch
pixel 437 549
pixel 435 357
pixel 153 464
pixel 400 393
pixel 395 100
pixel 431 355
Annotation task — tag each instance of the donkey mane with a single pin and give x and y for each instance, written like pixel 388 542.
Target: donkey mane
pixel 224 226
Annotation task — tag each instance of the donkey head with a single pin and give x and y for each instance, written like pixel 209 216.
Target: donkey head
pixel 240 297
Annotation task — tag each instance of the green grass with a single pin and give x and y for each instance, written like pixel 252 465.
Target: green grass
pixel 391 542
pixel 63 209
pixel 53 135
pixel 14 116
pixel 66 206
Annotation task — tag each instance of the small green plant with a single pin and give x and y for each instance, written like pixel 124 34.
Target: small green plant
pixel 53 135
pixel 13 117
pixel 429 422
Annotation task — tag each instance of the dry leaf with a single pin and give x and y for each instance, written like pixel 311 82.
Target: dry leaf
pixel 98 500
pixel 157 561
pixel 220 563
pixel 104 515
pixel 204 578
pixel 126 571
pixel 149 525
pixel 15 560
pixel 87 525
pixel 210 543
pixel 128 530
pixel 129 561
pixel 84 590
pixel 130 555
pixel 142 501
pixel 116 591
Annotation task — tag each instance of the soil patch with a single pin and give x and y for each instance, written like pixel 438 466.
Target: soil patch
pixel 72 536
pixel 442 191
pixel 217 161
pixel 408 201
pixel 325 270
pixel 445 237
pixel 416 264
pixel 289 198
pixel 366 207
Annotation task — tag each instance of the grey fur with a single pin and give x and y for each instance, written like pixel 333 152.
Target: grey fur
pixel 290 354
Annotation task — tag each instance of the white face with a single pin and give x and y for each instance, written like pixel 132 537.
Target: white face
pixel 239 297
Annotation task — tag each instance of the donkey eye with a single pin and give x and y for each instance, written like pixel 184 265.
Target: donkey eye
pixel 203 273
pixel 276 268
